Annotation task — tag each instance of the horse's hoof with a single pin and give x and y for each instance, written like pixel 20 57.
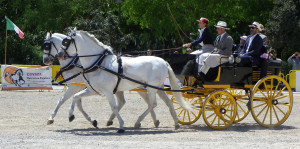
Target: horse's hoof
pixel 50 122
pixel 121 131
pixel 109 123
pixel 177 127
pixel 137 125
pixel 156 124
pixel 95 123
pixel 71 118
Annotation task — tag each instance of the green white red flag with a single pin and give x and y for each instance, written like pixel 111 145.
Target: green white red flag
pixel 11 26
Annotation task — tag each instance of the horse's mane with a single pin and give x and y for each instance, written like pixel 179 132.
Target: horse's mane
pixel 59 35
pixel 93 38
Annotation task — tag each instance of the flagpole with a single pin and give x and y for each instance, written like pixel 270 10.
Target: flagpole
pixel 5 45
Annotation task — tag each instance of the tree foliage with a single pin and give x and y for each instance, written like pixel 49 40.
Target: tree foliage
pixel 283 27
pixel 144 24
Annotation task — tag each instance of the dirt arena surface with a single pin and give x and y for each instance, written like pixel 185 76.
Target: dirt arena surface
pixel 24 114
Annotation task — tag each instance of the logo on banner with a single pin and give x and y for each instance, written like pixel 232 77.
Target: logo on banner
pixel 13 75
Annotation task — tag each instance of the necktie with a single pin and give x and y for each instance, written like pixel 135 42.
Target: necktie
pixel 219 38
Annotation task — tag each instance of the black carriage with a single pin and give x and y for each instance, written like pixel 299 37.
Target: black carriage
pixel 227 93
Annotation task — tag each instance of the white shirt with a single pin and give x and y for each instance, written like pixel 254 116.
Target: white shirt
pixel 201 32
pixel 250 41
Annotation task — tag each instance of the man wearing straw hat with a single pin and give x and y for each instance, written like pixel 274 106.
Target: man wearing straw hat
pixel 223 49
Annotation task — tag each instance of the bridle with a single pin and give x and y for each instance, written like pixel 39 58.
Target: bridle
pixel 47 46
pixel 66 44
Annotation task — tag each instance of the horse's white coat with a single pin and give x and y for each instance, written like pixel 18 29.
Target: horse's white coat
pixel 148 69
pixel 57 38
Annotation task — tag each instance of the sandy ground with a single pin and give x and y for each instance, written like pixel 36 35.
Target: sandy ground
pixel 24 114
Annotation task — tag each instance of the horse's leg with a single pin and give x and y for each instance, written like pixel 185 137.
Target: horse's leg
pixel 70 91
pixel 153 115
pixel 168 102
pixel 79 106
pixel 121 103
pixel 114 108
pixel 152 104
pixel 77 100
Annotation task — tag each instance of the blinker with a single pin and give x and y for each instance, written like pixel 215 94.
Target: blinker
pixel 66 42
pixel 46 46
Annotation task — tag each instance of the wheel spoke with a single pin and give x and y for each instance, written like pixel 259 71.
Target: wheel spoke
pixel 282 97
pixel 266 88
pixel 276 88
pixel 193 114
pixel 178 108
pixel 242 101
pixel 263 93
pixel 280 110
pixel 271 115
pixel 276 114
pixel 280 92
pixel 241 107
pixel 284 104
pixel 266 115
pixel 262 110
pixel 259 105
pixel 183 115
pixel 213 120
pixel 260 99
pixel 180 113
pixel 219 121
pixel 188 114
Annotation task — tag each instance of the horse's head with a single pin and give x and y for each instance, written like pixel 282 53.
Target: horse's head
pixel 49 47
pixel 67 49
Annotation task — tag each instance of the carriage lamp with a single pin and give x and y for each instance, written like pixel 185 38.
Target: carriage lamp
pixel 238 59
pixel 231 59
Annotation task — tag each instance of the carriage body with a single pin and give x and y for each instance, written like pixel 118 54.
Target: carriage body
pixel 228 92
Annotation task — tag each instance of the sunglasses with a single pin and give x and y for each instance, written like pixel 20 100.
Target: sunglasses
pixel 252 27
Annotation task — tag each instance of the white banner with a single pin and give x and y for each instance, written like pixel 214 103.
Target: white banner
pixel 26 78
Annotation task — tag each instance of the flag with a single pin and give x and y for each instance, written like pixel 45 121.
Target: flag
pixel 11 26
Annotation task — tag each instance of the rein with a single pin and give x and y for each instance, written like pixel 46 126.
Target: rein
pixel 69 66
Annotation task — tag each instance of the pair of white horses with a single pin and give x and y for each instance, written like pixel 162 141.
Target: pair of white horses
pixel 147 69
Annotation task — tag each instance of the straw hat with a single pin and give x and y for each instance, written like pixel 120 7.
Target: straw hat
pixel 222 24
pixel 256 25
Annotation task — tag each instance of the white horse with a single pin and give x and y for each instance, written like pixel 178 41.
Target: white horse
pixel 54 41
pixel 147 69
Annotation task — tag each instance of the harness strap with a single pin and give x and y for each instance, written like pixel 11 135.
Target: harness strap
pixel 69 66
pixel 120 71
pixel 142 83
pixel 70 78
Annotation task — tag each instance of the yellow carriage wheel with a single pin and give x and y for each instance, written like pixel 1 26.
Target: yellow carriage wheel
pixel 241 97
pixel 219 110
pixel 271 101
pixel 187 117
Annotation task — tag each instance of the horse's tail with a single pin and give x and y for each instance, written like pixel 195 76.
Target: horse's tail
pixel 174 86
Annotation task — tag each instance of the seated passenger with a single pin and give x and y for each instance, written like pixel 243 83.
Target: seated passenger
pixel 223 49
pixel 242 43
pixel 204 38
pixel 253 45
pixel 263 36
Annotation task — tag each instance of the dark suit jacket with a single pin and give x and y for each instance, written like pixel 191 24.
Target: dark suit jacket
pixel 206 38
pixel 255 49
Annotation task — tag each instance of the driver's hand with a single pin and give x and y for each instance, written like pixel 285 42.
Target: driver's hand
pixel 187 45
